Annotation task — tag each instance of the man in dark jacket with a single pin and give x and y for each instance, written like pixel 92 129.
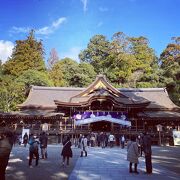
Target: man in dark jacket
pixel 147 152
pixel 43 145
pixel 66 151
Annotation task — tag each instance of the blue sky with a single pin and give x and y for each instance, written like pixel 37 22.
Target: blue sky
pixel 68 25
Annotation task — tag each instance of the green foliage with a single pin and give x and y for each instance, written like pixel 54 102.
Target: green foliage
pixel 96 53
pixel 27 54
pixel 11 93
pixel 68 72
pixel 84 76
pixel 56 74
pixel 15 90
pixel 34 77
pixel 170 64
pixel 69 67
pixel 125 60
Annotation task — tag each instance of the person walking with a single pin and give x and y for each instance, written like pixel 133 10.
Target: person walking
pixel 43 145
pixel 147 152
pixel 83 146
pixel 33 150
pixel 66 151
pixel 132 154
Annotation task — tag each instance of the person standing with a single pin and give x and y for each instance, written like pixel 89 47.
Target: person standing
pixel 111 140
pixel 122 141
pixel 25 139
pixel 140 144
pixel 102 139
pixel 147 152
pixel 132 154
pixel 66 151
pixel 83 146
pixel 43 145
pixel 33 150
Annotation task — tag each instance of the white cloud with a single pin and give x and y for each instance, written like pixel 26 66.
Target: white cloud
pixel 20 29
pixel 6 48
pixel 84 5
pixel 72 53
pixel 41 31
pixel 103 9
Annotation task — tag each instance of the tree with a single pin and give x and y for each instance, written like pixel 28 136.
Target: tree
pixel 53 58
pixel 27 54
pixel 145 63
pixel 96 53
pixel 84 76
pixel 170 64
pixel 11 93
pixel 56 75
pixel 63 72
pixel 120 61
pixel 33 77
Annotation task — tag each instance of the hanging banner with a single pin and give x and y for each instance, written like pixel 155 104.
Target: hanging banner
pixel 176 137
pixel 90 117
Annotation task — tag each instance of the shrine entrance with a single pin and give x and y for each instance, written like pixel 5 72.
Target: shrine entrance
pixel 101 126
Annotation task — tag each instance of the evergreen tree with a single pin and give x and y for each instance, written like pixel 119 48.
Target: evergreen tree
pixel 27 54
pixel 145 63
pixel 96 53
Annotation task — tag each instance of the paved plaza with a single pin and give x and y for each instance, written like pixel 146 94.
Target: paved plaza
pixel 100 164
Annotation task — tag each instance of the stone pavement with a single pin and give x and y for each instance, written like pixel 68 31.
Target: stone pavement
pixel 48 169
pixel 111 164
pixel 100 164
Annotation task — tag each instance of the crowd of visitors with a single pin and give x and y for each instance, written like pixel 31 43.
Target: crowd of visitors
pixel 136 147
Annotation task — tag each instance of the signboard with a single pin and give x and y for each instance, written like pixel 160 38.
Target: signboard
pixel 176 137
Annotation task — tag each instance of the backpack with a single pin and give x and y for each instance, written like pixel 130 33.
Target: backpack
pixel 35 146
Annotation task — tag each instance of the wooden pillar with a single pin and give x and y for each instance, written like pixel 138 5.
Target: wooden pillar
pixel 112 129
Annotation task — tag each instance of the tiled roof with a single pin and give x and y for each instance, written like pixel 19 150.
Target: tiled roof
pixel 158 96
pixel 43 97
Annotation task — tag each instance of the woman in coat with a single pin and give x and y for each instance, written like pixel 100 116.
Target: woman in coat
pixel 132 154
pixel 66 151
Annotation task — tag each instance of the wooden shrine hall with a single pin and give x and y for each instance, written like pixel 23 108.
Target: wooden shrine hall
pixel 99 107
